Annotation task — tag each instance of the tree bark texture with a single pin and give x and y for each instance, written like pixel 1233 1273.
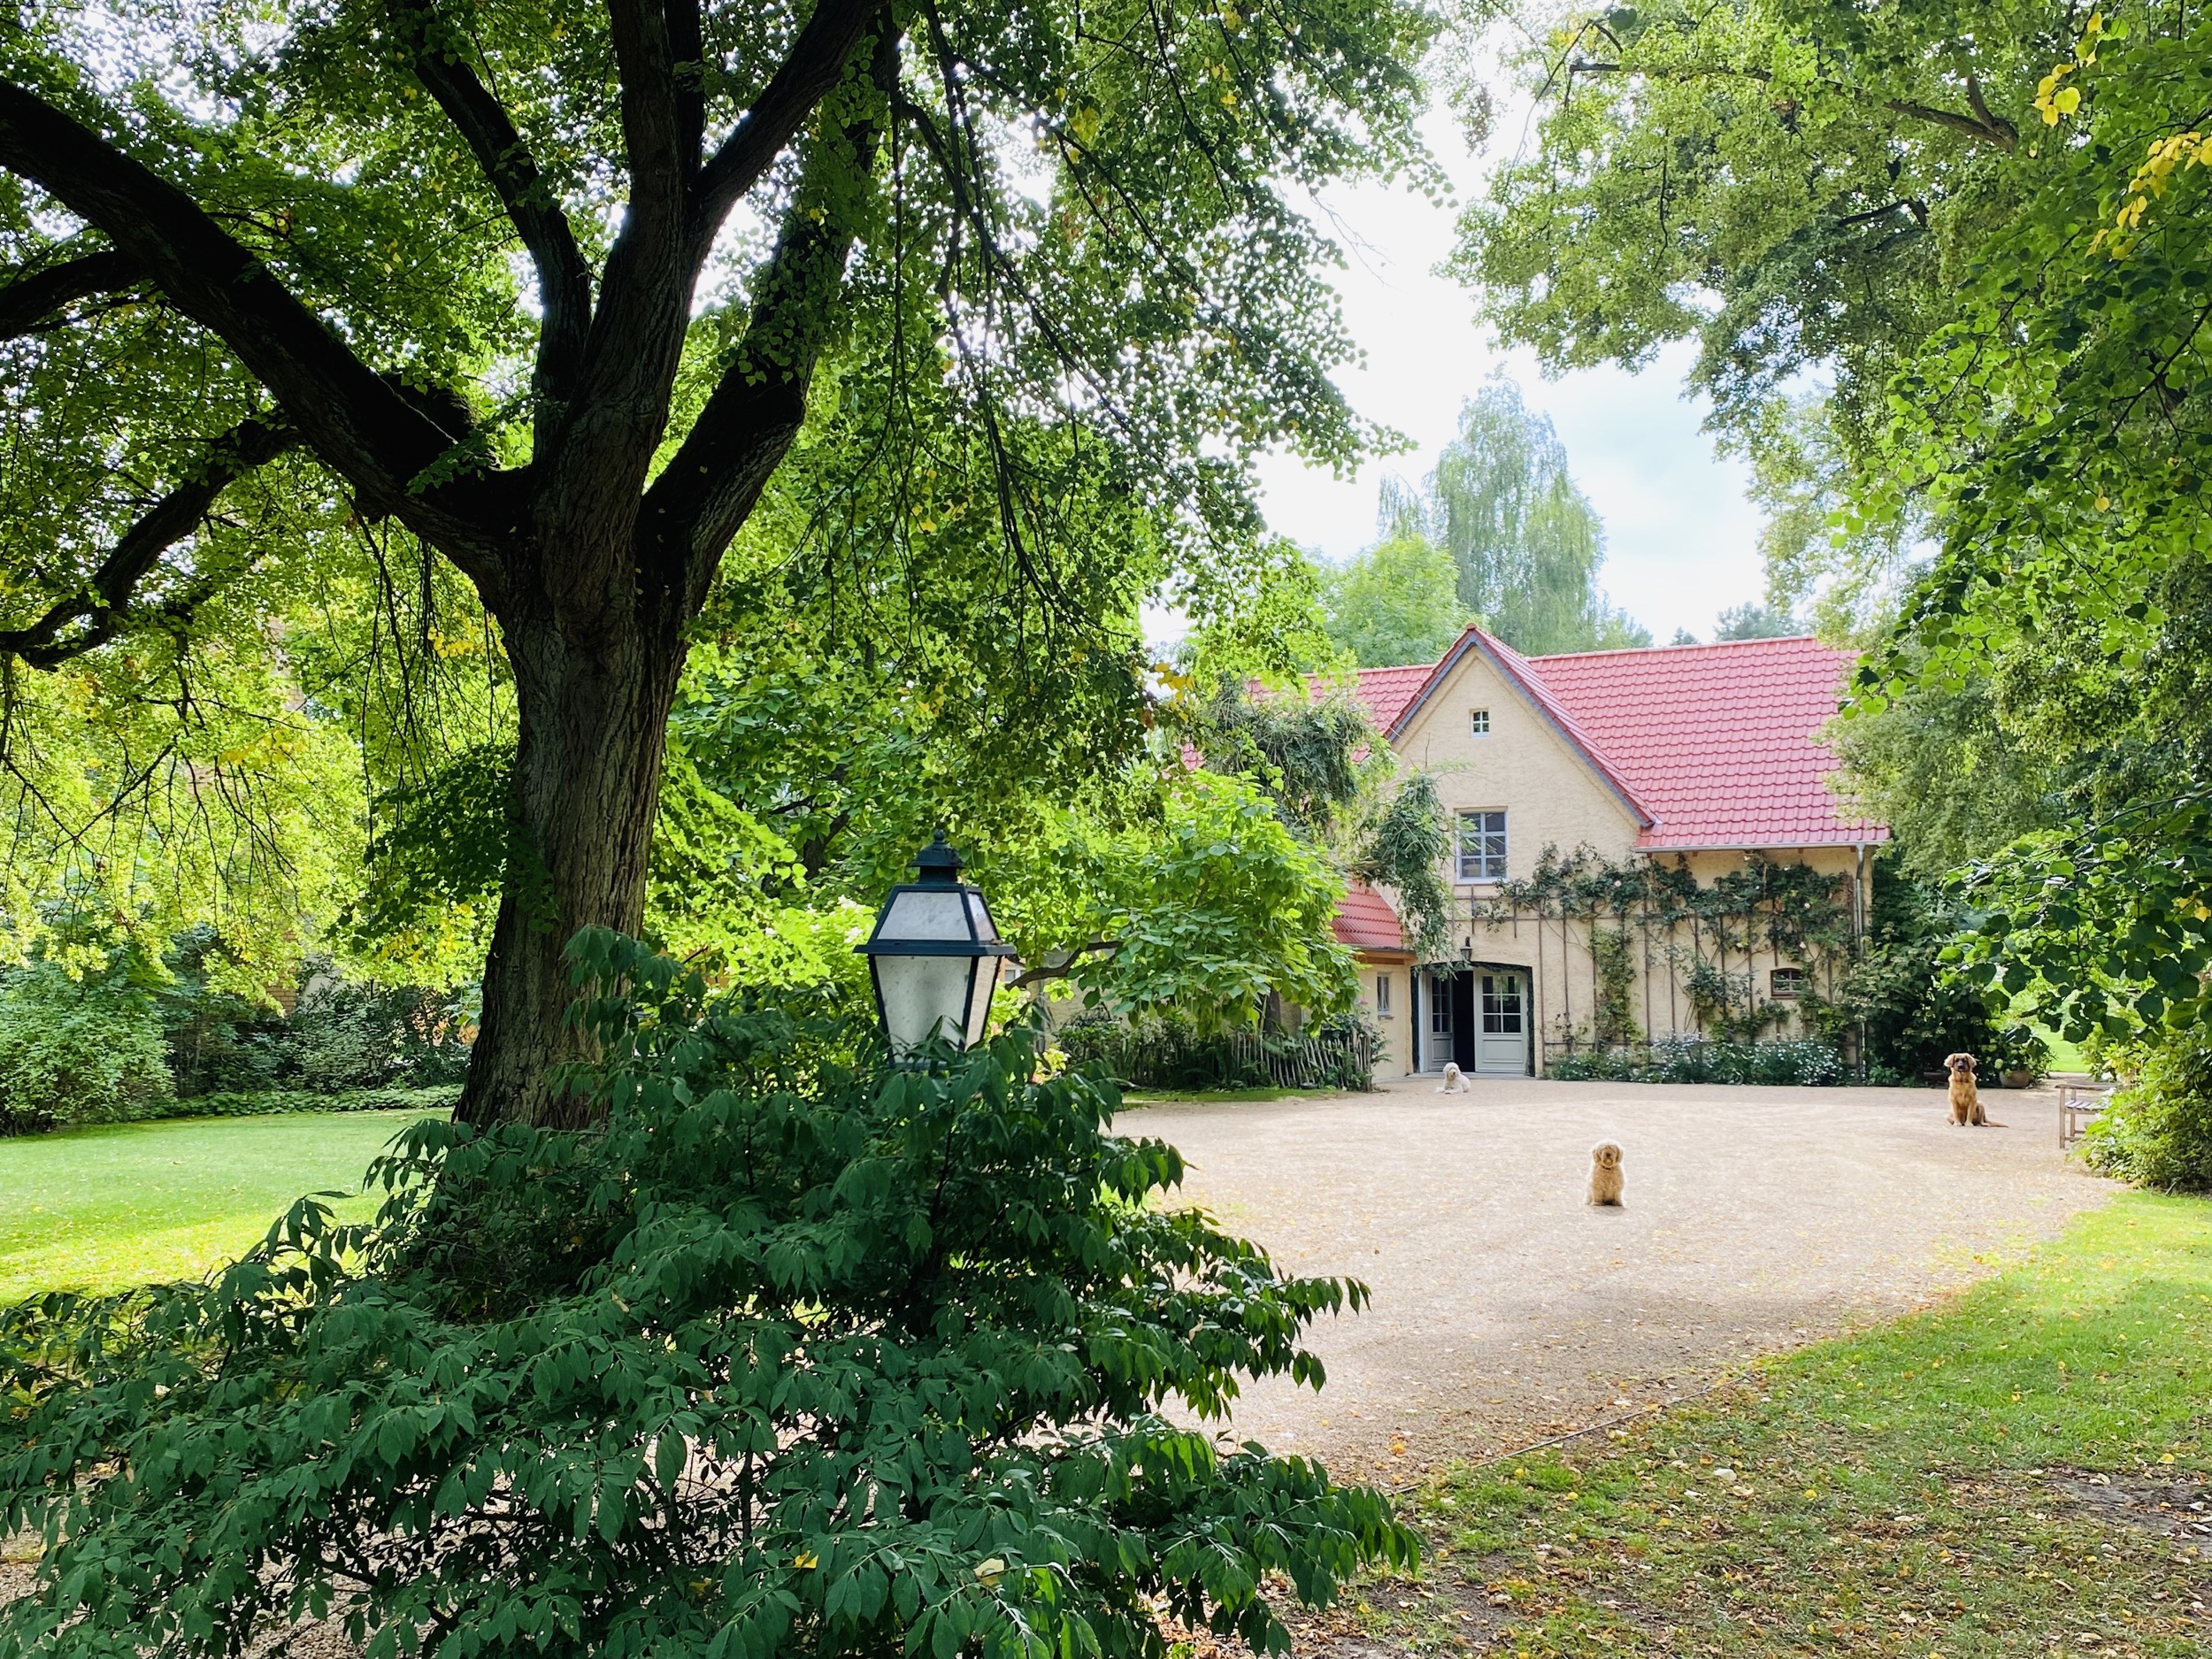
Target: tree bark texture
pixel 594 717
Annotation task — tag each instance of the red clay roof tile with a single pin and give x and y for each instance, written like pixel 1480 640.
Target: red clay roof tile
pixel 1716 744
pixel 1365 921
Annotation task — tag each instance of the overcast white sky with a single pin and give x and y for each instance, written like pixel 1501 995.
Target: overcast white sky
pixel 1681 539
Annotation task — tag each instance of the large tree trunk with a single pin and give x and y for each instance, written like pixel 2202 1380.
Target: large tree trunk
pixel 587 769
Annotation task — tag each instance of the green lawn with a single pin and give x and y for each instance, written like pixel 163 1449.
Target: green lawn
pixel 130 1204
pixel 1193 1096
pixel 2012 1473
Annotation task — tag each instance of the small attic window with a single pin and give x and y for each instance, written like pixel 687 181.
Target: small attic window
pixel 1477 722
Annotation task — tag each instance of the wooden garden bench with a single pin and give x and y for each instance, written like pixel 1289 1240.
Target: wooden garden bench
pixel 2077 1103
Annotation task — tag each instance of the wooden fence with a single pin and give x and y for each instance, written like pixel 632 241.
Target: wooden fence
pixel 1173 1059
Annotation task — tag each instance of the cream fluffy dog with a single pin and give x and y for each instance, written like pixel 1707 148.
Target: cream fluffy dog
pixel 1605 1174
pixel 1455 1082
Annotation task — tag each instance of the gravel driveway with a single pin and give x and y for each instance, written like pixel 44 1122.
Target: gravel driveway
pixel 1506 1310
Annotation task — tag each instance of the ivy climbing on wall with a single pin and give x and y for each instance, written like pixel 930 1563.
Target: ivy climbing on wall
pixel 1709 934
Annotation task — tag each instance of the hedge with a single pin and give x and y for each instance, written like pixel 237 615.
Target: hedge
pixel 264 1102
pixel 1694 1060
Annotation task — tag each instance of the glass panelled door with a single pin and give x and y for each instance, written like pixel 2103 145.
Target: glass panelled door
pixel 1501 1044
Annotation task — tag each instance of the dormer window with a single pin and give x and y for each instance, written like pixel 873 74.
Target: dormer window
pixel 1477 722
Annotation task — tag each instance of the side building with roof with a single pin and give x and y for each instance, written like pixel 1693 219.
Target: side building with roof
pixel 1704 760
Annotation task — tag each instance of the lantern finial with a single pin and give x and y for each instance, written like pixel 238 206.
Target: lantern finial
pixel 938 862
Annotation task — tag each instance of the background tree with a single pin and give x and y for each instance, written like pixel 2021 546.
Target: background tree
pixel 1753 621
pixel 1823 174
pixel 552 296
pixel 1525 541
pixel 1987 233
pixel 1398 602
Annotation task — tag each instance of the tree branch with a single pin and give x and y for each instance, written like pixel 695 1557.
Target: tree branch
pixel 631 353
pixel 2002 134
pixel 109 601
pixel 564 279
pixel 816 61
pixel 705 493
pixel 1912 205
pixel 652 141
pixel 688 55
pixel 1063 969
pixel 31 301
pixel 1994 123
pixel 356 421
pixel 1982 125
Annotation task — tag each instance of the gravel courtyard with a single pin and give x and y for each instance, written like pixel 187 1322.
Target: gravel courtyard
pixel 1506 1310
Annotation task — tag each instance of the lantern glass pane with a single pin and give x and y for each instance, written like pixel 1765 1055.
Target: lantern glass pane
pixel 922 996
pixel 980 916
pixel 935 914
pixel 987 971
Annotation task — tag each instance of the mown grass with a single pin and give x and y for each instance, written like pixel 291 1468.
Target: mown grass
pixel 1196 1097
pixel 1985 1479
pixel 131 1203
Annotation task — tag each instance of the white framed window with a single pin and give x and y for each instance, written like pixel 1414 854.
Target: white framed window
pixel 1482 846
pixel 1477 722
pixel 1785 982
pixel 1439 1005
pixel 1382 996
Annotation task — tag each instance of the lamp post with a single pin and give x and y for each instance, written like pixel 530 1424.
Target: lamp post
pixel 934 956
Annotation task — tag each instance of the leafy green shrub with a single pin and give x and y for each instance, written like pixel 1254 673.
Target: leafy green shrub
pixel 345 1035
pixel 1592 1065
pixel 75 1052
pixel 1913 1008
pixel 778 1358
pixel 1802 1062
pixel 342 1035
pixel 2157 1131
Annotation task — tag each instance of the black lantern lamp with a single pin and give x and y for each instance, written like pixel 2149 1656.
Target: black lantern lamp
pixel 935 956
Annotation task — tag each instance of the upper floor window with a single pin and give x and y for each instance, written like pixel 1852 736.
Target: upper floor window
pixel 1477 722
pixel 1786 981
pixel 1482 846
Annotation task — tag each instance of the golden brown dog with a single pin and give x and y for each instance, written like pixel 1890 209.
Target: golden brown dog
pixel 1605 1174
pixel 1966 1099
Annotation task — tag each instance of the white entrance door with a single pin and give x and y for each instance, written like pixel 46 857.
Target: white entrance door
pixel 1501 1015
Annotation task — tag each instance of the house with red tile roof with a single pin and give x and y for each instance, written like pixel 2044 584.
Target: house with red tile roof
pixel 1705 757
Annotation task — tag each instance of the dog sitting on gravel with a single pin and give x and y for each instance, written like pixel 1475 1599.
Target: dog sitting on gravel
pixel 1605 1174
pixel 1455 1082
pixel 1966 1098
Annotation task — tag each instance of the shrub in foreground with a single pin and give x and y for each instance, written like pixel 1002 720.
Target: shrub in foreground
pixel 781 1358
pixel 2157 1131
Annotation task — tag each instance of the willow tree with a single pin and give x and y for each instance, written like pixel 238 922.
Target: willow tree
pixel 551 290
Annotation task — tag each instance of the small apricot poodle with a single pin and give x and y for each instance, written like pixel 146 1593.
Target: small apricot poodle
pixel 1605 1174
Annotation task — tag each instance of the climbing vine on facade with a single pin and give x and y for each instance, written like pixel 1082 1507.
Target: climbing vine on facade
pixel 1709 932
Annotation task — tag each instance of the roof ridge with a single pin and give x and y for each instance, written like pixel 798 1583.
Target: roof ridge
pixel 1694 645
